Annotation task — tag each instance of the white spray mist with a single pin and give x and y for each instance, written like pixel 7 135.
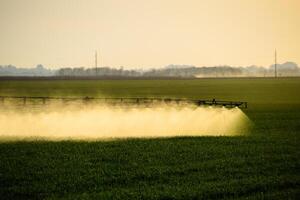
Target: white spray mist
pixel 104 122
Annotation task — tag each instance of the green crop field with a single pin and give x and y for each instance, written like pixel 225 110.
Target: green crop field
pixel 262 165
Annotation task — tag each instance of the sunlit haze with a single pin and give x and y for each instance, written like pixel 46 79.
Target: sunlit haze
pixel 144 34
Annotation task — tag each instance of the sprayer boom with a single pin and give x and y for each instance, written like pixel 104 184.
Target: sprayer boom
pixel 127 101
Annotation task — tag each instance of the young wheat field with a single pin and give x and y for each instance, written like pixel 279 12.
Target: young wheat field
pixel 262 163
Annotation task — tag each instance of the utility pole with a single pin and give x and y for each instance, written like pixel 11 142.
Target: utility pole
pixel 96 67
pixel 275 64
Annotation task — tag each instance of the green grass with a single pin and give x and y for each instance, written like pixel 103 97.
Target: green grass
pixel 264 164
pixel 267 91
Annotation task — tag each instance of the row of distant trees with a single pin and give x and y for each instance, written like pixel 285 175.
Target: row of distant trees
pixel 39 70
pixel 101 71
pixel 285 69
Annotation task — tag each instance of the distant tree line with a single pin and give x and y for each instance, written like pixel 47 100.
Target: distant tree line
pixel 285 69
pixel 101 71
pixel 39 70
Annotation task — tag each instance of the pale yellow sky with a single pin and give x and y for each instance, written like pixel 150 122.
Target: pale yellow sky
pixel 148 33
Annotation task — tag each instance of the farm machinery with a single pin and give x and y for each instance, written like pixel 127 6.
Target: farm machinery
pixel 125 101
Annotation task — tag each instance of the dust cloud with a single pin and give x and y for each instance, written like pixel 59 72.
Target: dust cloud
pixel 99 122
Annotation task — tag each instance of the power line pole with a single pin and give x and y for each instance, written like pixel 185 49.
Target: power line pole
pixel 96 67
pixel 275 64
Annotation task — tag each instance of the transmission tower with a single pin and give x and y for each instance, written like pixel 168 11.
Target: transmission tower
pixel 275 71
pixel 96 63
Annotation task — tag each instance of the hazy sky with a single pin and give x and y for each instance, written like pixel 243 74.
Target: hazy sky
pixel 148 33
